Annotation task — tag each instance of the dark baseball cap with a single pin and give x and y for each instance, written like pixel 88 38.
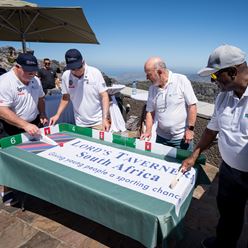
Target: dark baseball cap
pixel 73 59
pixel 28 62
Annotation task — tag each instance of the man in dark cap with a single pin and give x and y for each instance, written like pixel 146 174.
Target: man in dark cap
pixel 85 87
pixel 22 106
pixel 228 69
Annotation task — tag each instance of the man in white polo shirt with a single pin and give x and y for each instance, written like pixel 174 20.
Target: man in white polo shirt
pixel 85 87
pixel 172 100
pixel 22 105
pixel 228 69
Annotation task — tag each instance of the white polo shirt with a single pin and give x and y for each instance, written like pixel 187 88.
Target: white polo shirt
pixel 171 105
pixel 85 95
pixel 22 99
pixel 230 118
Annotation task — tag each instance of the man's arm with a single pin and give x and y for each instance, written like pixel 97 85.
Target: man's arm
pixel 41 108
pixel 63 104
pixel 192 114
pixel 149 124
pixel 10 117
pixel 105 111
pixel 207 138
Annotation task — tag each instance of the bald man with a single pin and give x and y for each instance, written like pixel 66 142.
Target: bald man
pixel 172 100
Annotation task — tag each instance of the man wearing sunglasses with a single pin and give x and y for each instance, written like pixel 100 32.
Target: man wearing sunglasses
pixel 85 87
pixel 22 106
pixel 172 101
pixel 228 69
pixel 47 76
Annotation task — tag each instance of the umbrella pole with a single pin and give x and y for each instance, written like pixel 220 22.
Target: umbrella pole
pixel 24 48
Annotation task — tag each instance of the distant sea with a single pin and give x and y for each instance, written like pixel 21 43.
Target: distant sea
pixel 131 75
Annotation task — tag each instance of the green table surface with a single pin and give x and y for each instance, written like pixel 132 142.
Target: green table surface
pixel 146 219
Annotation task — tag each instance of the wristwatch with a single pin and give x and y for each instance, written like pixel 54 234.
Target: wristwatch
pixel 191 128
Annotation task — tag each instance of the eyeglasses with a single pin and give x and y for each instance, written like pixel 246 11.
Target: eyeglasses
pixel 214 76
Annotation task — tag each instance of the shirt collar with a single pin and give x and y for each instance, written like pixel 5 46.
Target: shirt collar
pixel 169 81
pixel 170 77
pixel 86 71
pixel 246 92
pixel 234 95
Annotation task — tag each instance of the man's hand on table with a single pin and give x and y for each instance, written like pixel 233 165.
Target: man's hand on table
pixel 32 129
pixel 146 136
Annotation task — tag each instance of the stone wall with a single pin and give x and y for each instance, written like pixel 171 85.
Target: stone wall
pixel 212 154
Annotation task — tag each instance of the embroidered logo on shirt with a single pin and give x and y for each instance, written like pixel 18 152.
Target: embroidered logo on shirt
pixel 246 115
pixel 20 91
pixel 71 84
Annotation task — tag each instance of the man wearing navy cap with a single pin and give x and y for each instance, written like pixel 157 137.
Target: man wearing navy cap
pixel 85 87
pixel 22 105
pixel 228 69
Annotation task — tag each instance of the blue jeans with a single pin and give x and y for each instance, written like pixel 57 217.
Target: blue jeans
pixel 175 143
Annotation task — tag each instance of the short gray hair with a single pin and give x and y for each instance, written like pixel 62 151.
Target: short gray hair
pixel 160 65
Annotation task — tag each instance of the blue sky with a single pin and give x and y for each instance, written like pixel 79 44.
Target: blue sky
pixel 182 32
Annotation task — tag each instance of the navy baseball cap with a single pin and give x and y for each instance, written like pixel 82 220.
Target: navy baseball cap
pixel 28 62
pixel 73 59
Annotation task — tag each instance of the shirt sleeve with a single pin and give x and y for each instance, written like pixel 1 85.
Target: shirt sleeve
pixel 102 87
pixel 41 92
pixel 189 93
pixel 6 94
pixel 150 101
pixel 64 81
pixel 55 74
pixel 39 74
pixel 6 98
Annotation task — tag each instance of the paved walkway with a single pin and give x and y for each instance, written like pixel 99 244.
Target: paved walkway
pixel 48 226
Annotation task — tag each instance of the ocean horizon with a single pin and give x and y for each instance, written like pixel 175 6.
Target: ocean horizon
pixel 128 75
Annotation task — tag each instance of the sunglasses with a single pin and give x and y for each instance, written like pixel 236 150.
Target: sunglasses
pixel 48 63
pixel 214 76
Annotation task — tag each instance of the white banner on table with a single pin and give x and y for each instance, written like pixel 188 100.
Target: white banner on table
pixel 141 173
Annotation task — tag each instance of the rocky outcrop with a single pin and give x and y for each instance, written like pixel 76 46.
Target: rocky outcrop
pixel 9 54
pixel 205 92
